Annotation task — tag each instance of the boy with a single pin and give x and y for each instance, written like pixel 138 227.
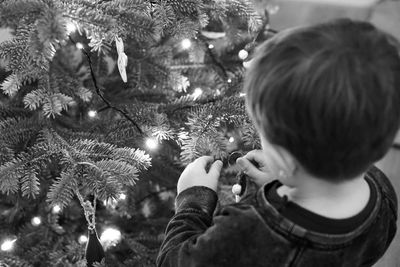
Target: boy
pixel 326 102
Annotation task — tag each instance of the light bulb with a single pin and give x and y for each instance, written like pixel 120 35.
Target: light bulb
pixel 79 45
pixel 122 196
pixel 56 209
pixel 231 139
pixel 82 239
pixel 243 54
pixel 210 46
pixel 71 27
pixel 110 237
pixel 8 245
pixel 151 143
pixel 196 93
pixel 229 80
pixel 186 43
pixel 36 221
pixel 272 9
pixel 92 113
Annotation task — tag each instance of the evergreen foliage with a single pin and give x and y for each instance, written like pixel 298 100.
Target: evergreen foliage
pixel 53 151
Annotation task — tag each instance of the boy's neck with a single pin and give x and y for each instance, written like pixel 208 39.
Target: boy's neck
pixel 333 200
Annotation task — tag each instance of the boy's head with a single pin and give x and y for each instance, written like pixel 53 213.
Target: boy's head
pixel 329 94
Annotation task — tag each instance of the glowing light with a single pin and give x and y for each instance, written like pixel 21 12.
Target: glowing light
pixel 242 94
pixel 110 237
pixel 272 9
pixel 122 196
pixel 196 93
pixel 82 239
pixel 71 27
pixel 36 221
pixel 8 245
pixel 243 54
pixel 92 113
pixel 56 209
pixel 151 143
pixel 79 45
pixel 229 80
pixel 210 46
pixel 231 139
pixel 186 43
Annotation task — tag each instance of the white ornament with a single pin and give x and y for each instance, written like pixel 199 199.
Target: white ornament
pixel 236 189
pixel 213 35
pixel 122 58
pixel 243 54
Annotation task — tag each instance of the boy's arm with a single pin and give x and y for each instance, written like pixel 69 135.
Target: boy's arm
pixel 194 208
pixel 193 240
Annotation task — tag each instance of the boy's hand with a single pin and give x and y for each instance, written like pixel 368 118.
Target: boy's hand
pixel 260 174
pixel 196 174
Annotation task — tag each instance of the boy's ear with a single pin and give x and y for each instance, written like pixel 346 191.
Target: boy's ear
pixel 289 162
pixel 282 159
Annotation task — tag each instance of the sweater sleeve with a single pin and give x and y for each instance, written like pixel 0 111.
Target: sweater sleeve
pixel 193 238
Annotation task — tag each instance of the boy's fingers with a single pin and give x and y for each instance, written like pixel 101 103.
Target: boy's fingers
pixel 215 168
pixel 256 155
pixel 249 168
pixel 204 160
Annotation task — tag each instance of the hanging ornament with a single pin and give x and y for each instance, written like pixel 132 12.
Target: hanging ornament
pixel 243 54
pixel 213 35
pixel 94 250
pixel 122 58
pixel 240 186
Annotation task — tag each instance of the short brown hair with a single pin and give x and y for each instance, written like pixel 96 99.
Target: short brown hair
pixel 329 94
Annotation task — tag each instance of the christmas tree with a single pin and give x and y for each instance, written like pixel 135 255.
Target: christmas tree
pixel 102 104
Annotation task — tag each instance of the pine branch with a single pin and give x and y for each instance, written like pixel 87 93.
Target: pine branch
pixel 100 94
pixel 30 184
pixel 13 260
pixel 135 157
pixel 62 190
pixel 122 172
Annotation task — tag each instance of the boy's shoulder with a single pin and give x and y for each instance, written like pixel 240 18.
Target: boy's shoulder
pixel 384 184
